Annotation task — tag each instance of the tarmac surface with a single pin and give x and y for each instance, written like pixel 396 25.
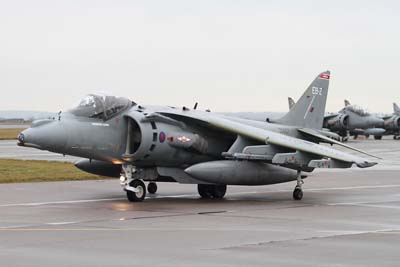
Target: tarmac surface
pixel 346 218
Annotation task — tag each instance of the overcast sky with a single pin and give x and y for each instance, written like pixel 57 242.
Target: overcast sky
pixel 227 55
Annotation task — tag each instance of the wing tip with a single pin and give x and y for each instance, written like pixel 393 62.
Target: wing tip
pixel 366 164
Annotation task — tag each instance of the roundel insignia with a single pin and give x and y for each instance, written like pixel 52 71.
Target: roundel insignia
pixel 161 137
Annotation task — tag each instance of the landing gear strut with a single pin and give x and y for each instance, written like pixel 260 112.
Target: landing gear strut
pixel 298 192
pixel 211 190
pixel 135 188
pixel 152 188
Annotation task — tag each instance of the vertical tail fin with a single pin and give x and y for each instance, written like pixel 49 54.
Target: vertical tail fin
pixel 347 103
pixel 291 102
pixel 309 110
pixel 396 109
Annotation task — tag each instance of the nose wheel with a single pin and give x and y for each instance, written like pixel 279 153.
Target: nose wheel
pixel 298 191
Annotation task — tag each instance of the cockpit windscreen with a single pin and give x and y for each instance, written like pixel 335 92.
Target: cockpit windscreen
pixel 101 106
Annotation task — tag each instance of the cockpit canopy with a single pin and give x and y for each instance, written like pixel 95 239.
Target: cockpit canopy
pixel 358 110
pixel 101 106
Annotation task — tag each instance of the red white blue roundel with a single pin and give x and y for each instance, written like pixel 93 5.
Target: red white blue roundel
pixel 161 137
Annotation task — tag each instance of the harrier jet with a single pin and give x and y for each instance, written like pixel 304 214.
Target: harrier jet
pixel 120 138
pixel 356 121
pixel 392 123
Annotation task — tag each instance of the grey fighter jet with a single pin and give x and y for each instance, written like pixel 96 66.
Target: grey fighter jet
pixel 355 121
pixel 119 138
pixel 392 123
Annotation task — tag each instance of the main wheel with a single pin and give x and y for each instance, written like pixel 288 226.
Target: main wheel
pixel 211 190
pixel 152 188
pixel 137 196
pixel 297 194
pixel 204 190
pixel 219 191
pixel 378 137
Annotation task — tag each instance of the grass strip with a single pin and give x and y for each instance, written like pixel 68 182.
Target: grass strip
pixel 16 171
pixel 9 134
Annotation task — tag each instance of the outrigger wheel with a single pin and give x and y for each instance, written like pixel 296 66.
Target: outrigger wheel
pixel 298 191
pixel 140 193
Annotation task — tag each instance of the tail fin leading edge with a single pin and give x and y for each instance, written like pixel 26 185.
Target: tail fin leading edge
pixel 291 102
pixel 309 110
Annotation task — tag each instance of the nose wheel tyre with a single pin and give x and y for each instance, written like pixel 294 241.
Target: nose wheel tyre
pixel 297 194
pixel 152 188
pixel 138 196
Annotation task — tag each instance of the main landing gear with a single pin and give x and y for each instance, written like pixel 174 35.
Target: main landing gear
pixel 211 190
pixel 298 192
pixel 152 188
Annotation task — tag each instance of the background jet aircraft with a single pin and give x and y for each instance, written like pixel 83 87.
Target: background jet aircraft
pixel 154 144
pixel 355 121
pixel 392 123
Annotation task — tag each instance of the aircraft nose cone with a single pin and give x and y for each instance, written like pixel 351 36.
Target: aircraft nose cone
pixel 21 139
pixel 47 135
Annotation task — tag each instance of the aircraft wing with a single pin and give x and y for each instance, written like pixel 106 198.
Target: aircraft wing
pixel 273 138
pixel 314 133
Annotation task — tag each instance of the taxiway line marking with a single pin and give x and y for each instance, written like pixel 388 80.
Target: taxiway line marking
pixel 194 195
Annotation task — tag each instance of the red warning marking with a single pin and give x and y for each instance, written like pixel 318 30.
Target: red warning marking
pixel 324 76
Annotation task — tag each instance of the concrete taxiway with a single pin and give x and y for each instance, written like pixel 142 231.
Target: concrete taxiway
pixel 346 218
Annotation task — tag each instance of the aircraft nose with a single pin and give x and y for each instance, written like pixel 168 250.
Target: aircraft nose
pixel 46 135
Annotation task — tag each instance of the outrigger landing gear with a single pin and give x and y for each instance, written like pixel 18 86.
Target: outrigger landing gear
pixel 135 188
pixel 298 192
pixel 152 188
pixel 211 190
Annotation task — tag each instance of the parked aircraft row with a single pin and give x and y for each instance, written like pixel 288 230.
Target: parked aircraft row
pixel 120 138
pixel 354 121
